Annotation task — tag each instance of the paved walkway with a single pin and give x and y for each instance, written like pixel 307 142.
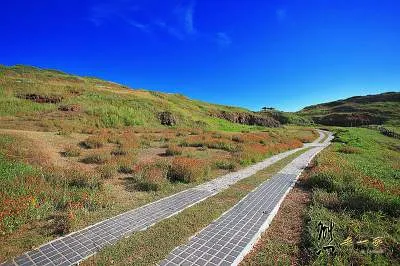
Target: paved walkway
pixel 228 239
pixel 77 246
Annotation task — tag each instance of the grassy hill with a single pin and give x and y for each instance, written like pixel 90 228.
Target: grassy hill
pixel 356 111
pixel 53 100
pixel 76 150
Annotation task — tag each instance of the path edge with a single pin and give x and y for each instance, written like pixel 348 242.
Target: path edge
pixel 270 217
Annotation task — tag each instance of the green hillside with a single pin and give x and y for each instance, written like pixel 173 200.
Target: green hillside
pixel 53 100
pixel 357 111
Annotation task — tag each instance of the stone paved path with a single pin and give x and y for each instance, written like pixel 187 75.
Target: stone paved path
pixel 228 239
pixel 77 246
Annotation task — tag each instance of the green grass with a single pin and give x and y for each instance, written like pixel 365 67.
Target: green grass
pixel 103 104
pixel 57 199
pixel 154 244
pixel 30 197
pixel 359 192
pixel 385 107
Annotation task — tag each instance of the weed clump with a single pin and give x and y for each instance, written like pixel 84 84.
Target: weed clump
pixel 173 150
pixel 119 152
pixel 94 159
pixel 82 179
pixel 61 224
pixel 226 165
pixel 151 176
pixel 106 171
pixel 188 170
pixel 349 150
pixel 71 151
pixel 93 142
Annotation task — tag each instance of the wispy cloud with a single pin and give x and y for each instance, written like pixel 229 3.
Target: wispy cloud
pixel 184 17
pixel 281 14
pixel 139 26
pixel 177 21
pixel 170 30
pixel 223 39
pixel 189 26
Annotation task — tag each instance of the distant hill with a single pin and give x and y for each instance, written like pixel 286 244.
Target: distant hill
pixel 52 100
pixel 381 108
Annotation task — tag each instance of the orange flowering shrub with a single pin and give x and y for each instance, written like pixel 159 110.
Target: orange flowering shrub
pixel 173 150
pixel 212 142
pixel 151 175
pixel 127 140
pixel 188 169
pixel 256 137
pixel 252 153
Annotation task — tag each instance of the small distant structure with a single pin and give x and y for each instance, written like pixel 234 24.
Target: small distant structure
pixel 264 109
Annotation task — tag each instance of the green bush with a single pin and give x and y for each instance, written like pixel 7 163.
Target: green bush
pixel 226 165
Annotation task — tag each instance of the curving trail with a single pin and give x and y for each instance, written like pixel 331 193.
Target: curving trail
pixel 78 246
pixel 228 239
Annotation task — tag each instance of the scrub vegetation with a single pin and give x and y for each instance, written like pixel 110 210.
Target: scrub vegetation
pixel 74 151
pixel 154 244
pixel 354 183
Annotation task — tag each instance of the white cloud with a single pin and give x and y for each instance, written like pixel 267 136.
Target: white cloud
pixel 189 20
pixel 184 16
pixel 137 25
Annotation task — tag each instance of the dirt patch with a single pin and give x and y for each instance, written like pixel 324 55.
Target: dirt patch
pixel 151 154
pixel 69 108
pixel 45 148
pixel 285 230
pixel 247 118
pixel 41 98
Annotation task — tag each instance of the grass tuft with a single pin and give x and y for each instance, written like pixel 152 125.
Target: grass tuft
pixel 71 151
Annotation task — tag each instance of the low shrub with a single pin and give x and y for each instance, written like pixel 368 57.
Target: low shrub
pixel 251 153
pixel 106 171
pixel 61 224
pixel 119 152
pixel 71 151
pixel 323 181
pixel 93 142
pixel 82 179
pixel 125 169
pixel 173 150
pixel 151 176
pixel 329 200
pixel 128 140
pixel 188 170
pixel 94 159
pixel 349 149
pixel 237 138
pixel 221 144
pixel 226 165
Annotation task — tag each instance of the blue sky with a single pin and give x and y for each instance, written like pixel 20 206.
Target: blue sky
pixel 254 53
